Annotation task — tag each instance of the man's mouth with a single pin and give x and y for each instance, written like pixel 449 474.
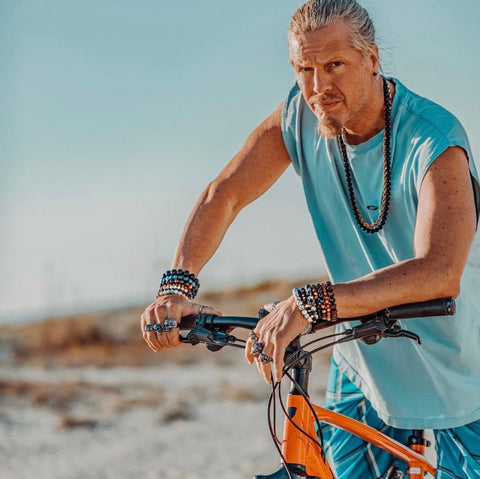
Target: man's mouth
pixel 324 106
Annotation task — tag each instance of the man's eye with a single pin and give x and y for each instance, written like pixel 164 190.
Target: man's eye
pixel 336 64
pixel 306 69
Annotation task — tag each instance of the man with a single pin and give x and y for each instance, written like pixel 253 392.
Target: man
pixel 391 186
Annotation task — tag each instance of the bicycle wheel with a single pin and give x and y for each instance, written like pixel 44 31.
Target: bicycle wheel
pixel 394 473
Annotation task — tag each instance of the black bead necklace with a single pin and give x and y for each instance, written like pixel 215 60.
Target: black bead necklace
pixel 382 216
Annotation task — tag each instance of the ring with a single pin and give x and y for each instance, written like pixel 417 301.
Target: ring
pixel 264 358
pixel 256 349
pixel 201 308
pixel 158 328
pixel 252 335
pixel 150 327
pixel 275 304
pixel 170 324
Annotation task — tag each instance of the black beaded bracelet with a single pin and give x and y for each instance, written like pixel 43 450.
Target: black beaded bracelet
pixel 316 302
pixel 179 281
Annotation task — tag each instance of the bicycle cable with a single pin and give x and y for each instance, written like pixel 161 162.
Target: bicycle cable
pixel 300 354
pixel 271 408
pixel 273 429
pixel 286 368
pixel 296 357
pixel 276 390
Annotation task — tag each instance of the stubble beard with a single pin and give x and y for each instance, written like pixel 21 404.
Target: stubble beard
pixel 329 127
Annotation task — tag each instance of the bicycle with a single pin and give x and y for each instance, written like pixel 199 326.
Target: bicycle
pixel 301 449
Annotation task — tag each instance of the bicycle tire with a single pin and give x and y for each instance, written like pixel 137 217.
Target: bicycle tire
pixel 394 473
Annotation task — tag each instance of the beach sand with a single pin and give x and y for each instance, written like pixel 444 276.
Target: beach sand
pixel 84 398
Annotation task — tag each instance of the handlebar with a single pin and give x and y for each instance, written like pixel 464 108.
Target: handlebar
pixel 435 307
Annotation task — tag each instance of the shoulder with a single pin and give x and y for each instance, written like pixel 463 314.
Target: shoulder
pixel 424 117
pixel 424 130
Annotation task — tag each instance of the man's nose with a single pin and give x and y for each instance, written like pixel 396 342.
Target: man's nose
pixel 321 83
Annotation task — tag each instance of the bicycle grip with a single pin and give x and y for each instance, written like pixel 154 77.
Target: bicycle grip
pixel 434 307
pixel 423 309
pixel 188 322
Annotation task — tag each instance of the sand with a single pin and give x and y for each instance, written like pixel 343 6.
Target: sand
pixel 84 398
pixel 170 422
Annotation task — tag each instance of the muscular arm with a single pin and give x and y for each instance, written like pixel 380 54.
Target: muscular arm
pixel 443 236
pixel 259 163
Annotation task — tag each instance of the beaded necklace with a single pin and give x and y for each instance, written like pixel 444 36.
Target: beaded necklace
pixel 382 217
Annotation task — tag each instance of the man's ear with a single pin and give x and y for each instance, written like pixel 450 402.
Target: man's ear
pixel 374 59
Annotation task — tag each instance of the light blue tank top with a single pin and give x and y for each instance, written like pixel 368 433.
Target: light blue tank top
pixel 428 386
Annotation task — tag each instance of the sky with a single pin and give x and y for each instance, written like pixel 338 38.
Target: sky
pixel 115 115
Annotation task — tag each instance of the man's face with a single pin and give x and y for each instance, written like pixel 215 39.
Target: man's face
pixel 335 78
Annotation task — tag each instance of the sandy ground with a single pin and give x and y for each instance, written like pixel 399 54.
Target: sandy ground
pixel 182 422
pixel 84 398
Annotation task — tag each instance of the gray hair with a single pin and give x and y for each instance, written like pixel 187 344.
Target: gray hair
pixel 316 14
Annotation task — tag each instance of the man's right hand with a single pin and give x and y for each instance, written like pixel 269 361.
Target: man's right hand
pixel 169 306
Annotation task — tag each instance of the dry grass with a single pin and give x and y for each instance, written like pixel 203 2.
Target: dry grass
pixel 179 410
pixel 65 396
pixel 71 422
pixel 231 391
pixel 114 338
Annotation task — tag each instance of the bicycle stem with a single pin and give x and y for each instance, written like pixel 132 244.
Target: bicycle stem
pixel 301 370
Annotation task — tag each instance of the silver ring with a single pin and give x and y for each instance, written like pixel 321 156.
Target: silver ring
pixel 275 304
pixel 150 327
pixel 158 328
pixel 257 348
pixel 264 358
pixel 253 336
pixel 201 308
pixel 170 324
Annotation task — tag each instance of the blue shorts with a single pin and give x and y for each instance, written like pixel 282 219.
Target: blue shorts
pixel 458 450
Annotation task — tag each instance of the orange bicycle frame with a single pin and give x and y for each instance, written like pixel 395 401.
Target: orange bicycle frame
pixel 298 449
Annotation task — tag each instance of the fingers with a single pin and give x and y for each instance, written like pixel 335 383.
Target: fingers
pixel 256 352
pixel 278 364
pixel 264 365
pixel 268 307
pixel 273 334
pixel 203 309
pixel 248 347
pixel 168 336
pixel 149 334
pixel 158 317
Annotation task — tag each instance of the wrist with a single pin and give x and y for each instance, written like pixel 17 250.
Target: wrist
pixel 307 325
pixel 316 302
pixel 180 282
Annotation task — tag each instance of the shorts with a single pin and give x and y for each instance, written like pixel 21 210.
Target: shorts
pixel 458 449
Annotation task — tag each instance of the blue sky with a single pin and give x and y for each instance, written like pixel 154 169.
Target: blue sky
pixel 116 114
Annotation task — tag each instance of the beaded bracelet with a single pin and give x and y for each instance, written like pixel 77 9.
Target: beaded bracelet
pixel 179 281
pixel 316 302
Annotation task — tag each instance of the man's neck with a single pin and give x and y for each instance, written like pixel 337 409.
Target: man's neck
pixel 373 117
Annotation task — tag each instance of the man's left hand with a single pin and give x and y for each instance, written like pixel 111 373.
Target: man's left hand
pixel 274 333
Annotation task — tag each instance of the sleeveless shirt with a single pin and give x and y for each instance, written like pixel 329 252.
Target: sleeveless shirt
pixel 428 386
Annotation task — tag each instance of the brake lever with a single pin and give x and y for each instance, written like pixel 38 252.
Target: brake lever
pixel 398 332
pixel 370 332
pixel 199 334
